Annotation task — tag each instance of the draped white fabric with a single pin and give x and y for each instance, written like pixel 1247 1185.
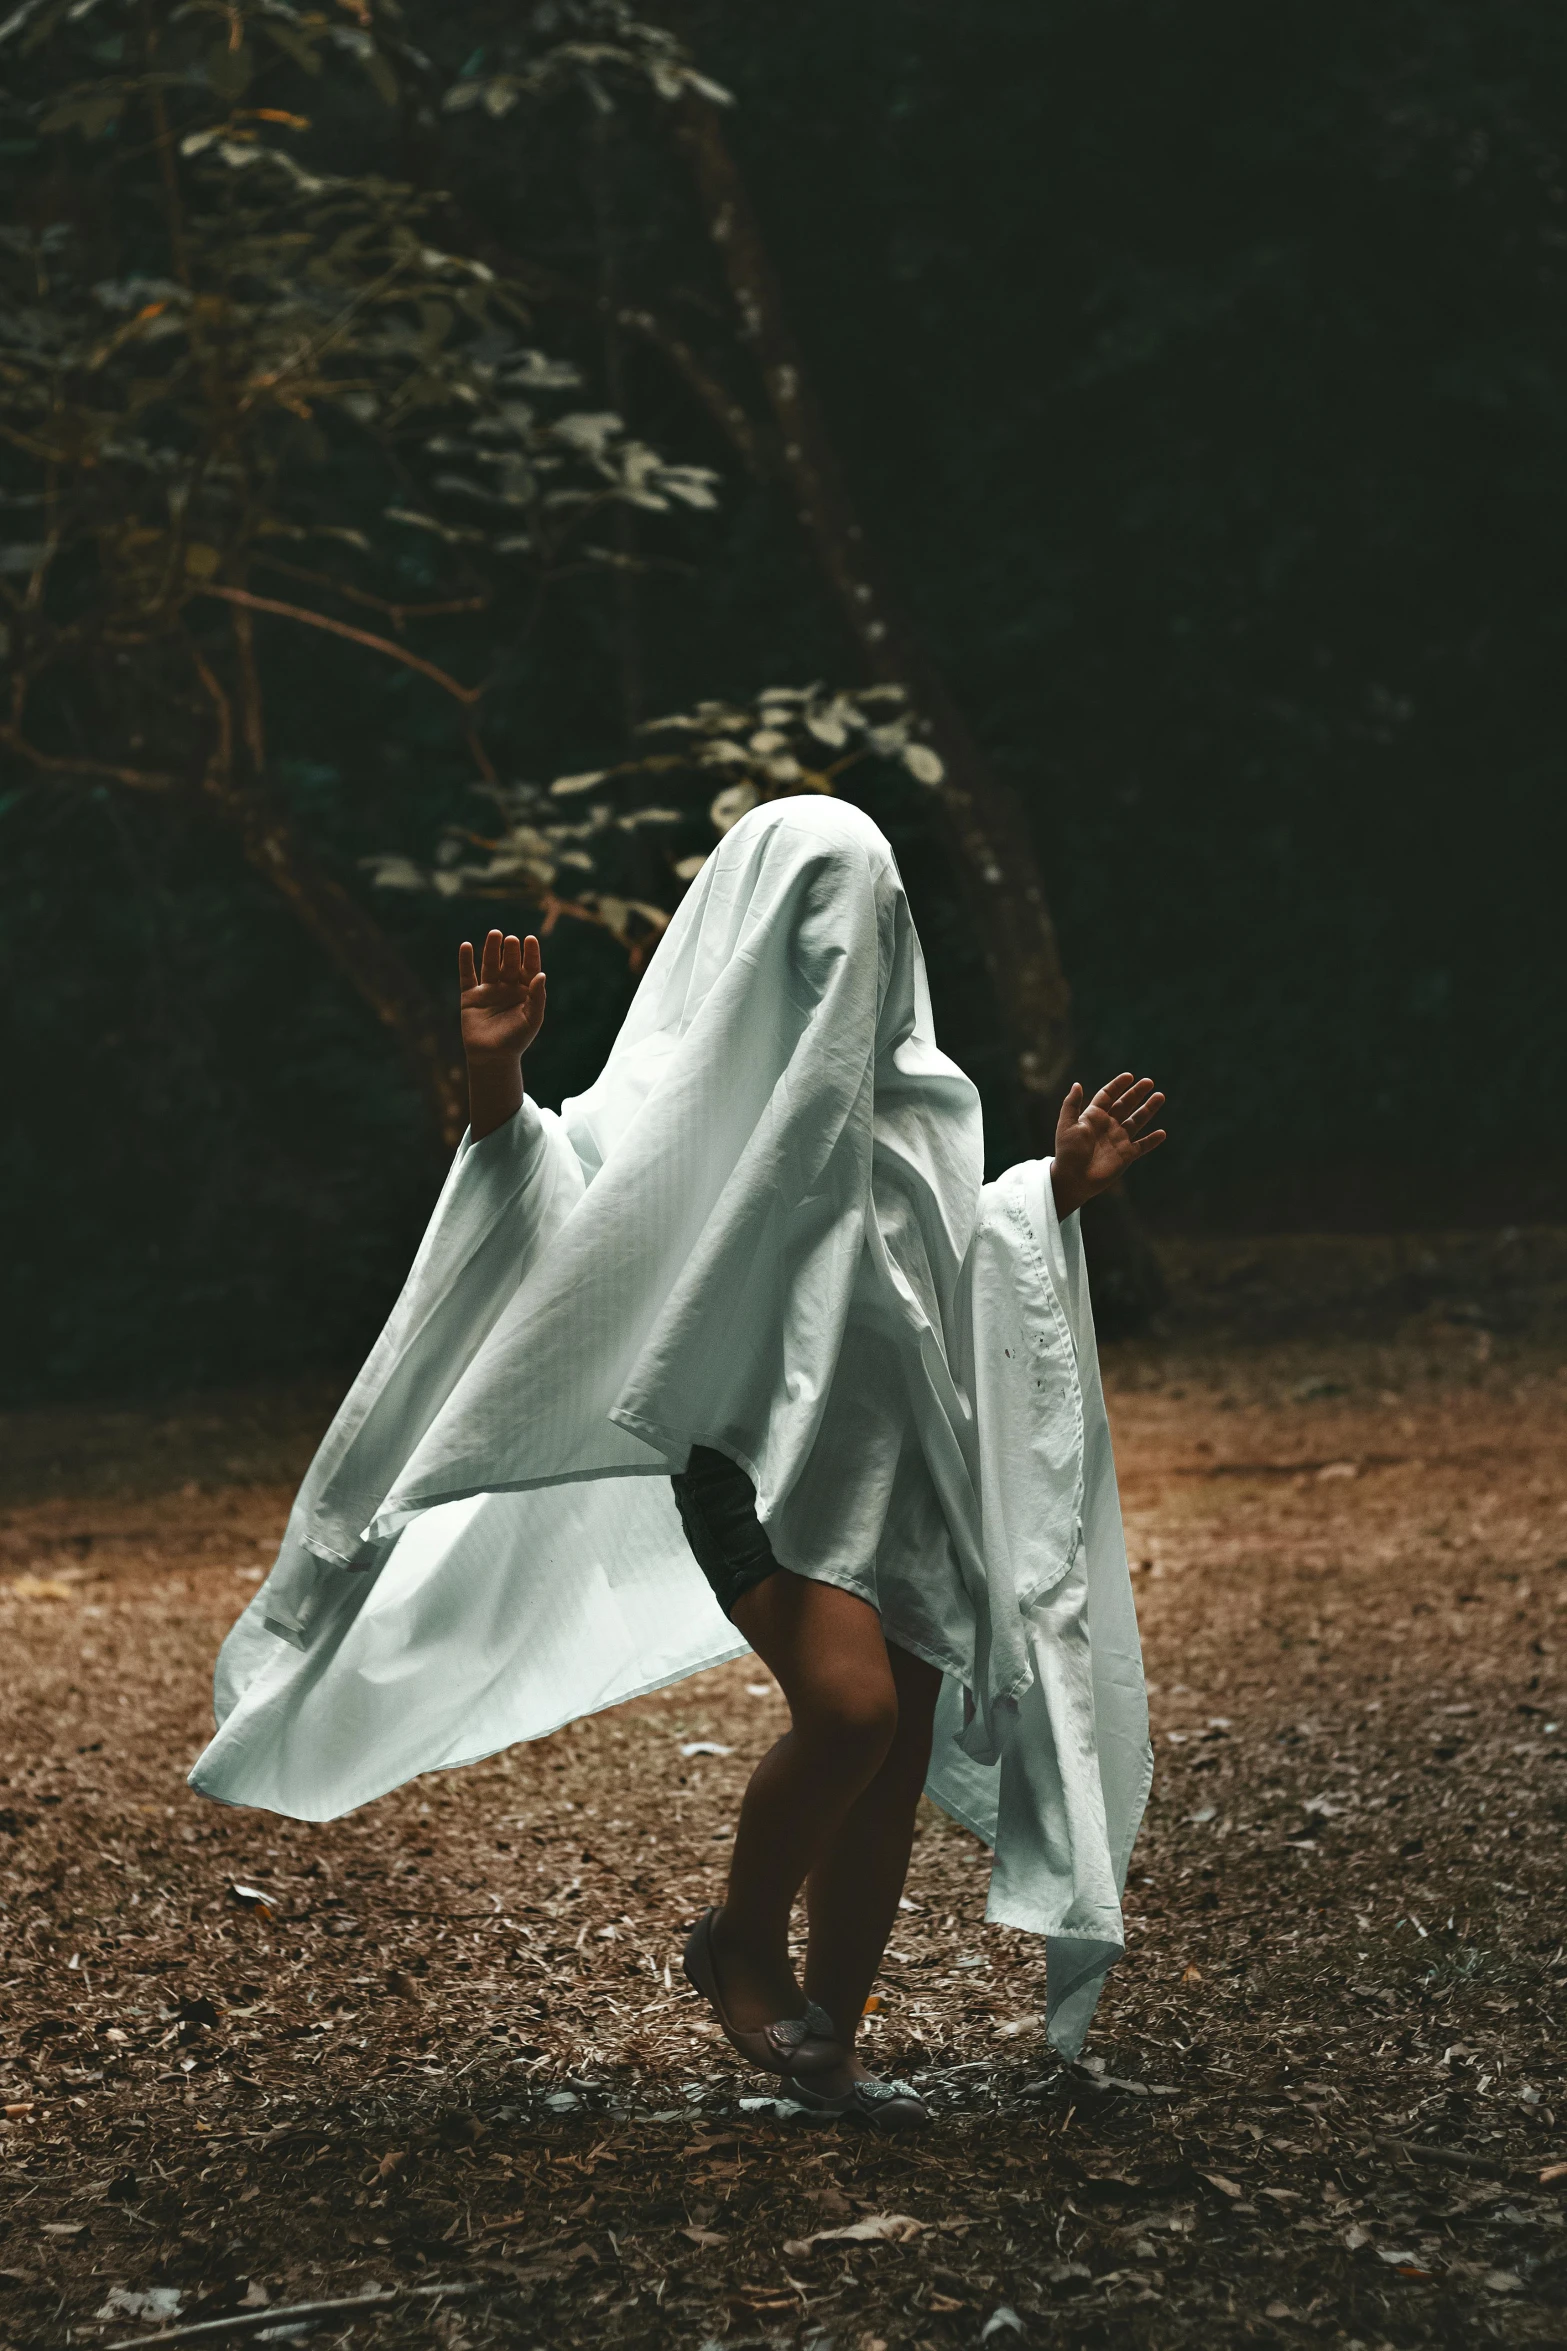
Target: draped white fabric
pixel 763 1229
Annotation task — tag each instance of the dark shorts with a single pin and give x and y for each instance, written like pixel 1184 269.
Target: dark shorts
pixel 717 1503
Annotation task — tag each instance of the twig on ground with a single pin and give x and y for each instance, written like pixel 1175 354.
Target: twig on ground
pixel 285 2313
pixel 1453 2158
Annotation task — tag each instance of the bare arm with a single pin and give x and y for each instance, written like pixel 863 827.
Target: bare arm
pixel 502 1003
pixel 1099 1140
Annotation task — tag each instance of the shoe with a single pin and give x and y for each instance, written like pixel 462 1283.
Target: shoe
pixel 794 2046
pixel 880 2106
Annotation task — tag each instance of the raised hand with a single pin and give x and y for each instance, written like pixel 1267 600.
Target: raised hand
pixel 502 998
pixel 502 1004
pixel 1097 1141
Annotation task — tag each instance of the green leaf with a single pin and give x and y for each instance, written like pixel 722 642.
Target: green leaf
pixel 382 79
pixel 298 45
pixel 36 18
pixel 88 111
pixel 229 70
pixel 377 68
pixel 435 324
pixel 704 88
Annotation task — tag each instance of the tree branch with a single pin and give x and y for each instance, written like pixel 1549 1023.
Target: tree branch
pixel 136 779
pixel 33 448
pixel 397 614
pixel 249 690
pixel 466 695
pixel 315 345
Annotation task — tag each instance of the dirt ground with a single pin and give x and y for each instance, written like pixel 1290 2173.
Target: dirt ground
pixel 248 2064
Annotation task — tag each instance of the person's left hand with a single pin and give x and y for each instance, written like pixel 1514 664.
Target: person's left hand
pixel 1098 1140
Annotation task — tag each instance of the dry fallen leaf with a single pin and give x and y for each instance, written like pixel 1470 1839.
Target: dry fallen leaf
pixel 704 2237
pixel 883 2228
pixel 517 1866
pixel 1217 2180
pixel 157 2302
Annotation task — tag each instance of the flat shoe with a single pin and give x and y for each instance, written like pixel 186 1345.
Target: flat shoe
pixel 794 2045
pixel 881 2106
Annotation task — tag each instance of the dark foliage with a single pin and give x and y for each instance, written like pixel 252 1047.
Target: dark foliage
pixel 1204 372
pixel 1201 375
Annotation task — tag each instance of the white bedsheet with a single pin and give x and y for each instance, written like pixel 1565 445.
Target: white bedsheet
pixel 762 1230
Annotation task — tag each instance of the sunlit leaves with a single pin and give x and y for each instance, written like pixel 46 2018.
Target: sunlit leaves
pixel 621 843
pixel 591 46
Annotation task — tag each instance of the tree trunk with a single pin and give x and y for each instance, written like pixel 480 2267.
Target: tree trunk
pixel 985 824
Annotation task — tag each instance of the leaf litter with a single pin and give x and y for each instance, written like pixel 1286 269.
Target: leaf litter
pixel 253 2065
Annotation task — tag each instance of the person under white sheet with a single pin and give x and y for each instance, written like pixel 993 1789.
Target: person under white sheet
pixel 739 1350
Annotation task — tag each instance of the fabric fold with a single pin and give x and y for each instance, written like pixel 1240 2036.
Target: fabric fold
pixel 1063 1799
pixel 764 1230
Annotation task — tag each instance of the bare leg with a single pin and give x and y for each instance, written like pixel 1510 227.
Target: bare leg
pixel 827 1651
pixel 854 1885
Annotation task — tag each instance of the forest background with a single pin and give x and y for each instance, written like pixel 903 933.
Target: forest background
pixel 1196 376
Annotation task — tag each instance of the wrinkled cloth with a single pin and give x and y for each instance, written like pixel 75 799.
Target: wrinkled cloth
pixel 762 1231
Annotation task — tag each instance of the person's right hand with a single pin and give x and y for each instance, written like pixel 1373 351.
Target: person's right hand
pixel 502 999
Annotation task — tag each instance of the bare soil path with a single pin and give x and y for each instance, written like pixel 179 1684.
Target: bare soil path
pixel 450 2043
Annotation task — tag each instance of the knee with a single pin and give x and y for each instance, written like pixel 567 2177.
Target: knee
pixel 856 1720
